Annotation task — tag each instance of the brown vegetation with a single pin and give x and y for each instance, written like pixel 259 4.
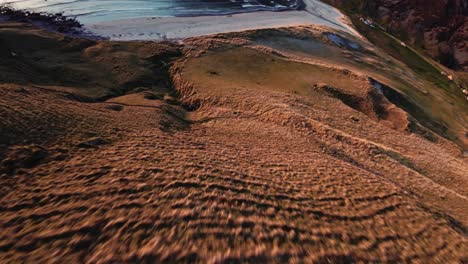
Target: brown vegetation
pixel 222 149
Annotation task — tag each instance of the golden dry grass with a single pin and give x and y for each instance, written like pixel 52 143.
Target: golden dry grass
pixel 250 163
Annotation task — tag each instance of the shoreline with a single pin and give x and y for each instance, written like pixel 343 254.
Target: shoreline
pixel 176 28
pixel 97 13
pixel 68 26
pixel 306 12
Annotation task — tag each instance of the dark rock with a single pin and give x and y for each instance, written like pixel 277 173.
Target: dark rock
pixel 114 107
pixel 93 143
pixel 438 26
pixel 23 157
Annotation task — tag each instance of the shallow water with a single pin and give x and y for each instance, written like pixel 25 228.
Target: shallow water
pixel 342 42
pixel 92 11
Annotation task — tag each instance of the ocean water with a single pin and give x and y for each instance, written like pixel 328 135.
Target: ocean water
pixel 92 11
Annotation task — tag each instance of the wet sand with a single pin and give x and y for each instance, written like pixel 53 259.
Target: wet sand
pixel 159 28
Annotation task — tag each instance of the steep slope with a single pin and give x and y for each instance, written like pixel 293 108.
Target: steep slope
pixel 438 26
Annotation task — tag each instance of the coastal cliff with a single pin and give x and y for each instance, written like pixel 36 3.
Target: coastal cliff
pixel 438 26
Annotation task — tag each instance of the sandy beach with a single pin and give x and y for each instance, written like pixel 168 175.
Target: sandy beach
pixel 160 28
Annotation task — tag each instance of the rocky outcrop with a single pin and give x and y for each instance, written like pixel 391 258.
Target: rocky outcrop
pixel 439 26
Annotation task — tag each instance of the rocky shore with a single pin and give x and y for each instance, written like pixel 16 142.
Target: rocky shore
pixel 57 22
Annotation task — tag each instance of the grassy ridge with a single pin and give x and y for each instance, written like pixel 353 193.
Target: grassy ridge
pixel 444 103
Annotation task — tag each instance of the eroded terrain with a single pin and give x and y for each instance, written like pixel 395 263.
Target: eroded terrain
pixel 243 147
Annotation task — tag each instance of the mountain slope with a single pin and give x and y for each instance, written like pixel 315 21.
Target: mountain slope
pixel 437 26
pixel 244 147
